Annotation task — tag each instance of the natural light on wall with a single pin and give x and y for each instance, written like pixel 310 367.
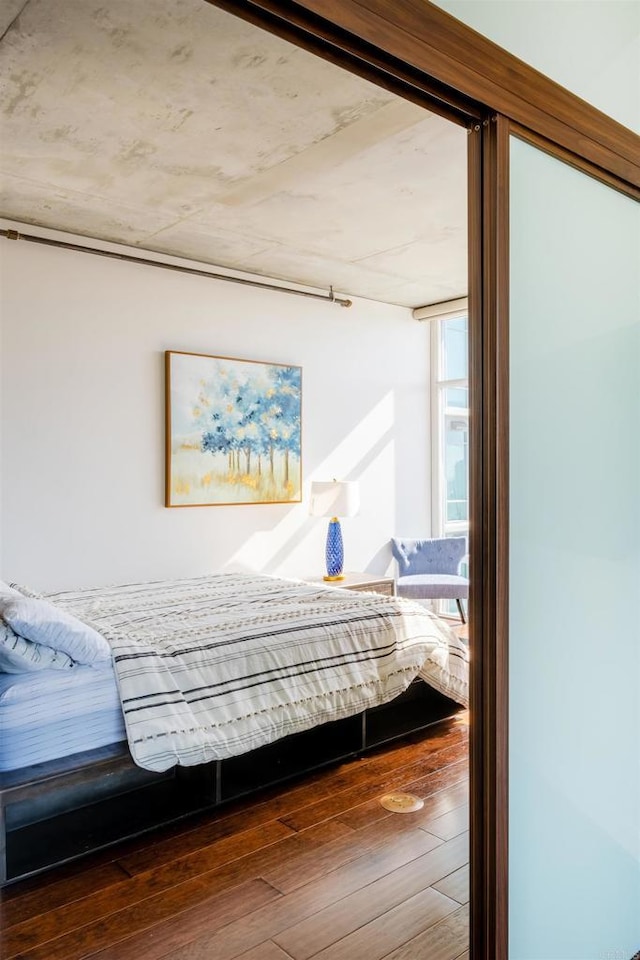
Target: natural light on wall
pixel 366 454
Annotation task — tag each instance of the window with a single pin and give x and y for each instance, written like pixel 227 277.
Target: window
pixel 450 430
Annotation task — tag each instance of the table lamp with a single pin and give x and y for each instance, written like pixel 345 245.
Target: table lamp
pixel 334 498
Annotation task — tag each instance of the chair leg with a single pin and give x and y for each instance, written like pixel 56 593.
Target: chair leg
pixel 462 616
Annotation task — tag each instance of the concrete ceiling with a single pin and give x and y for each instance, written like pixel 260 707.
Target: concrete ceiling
pixel 172 126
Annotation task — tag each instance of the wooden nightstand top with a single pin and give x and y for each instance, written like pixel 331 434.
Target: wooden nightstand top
pixel 362 581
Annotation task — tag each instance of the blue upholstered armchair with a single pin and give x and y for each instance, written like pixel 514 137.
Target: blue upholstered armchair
pixel 430 569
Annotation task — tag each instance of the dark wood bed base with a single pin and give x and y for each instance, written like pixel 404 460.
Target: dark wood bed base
pixel 54 812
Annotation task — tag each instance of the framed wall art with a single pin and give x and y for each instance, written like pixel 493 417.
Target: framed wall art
pixel 233 431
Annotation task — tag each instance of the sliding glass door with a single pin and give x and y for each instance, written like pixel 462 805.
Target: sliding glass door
pixel 574 578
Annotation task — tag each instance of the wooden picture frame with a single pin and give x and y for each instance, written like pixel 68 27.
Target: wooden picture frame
pixel 233 431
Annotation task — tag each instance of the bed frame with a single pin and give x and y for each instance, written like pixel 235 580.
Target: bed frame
pixel 54 812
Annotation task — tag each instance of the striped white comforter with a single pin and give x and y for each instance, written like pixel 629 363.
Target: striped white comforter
pixel 215 666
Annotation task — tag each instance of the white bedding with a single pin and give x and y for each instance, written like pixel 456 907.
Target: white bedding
pixel 54 713
pixel 215 666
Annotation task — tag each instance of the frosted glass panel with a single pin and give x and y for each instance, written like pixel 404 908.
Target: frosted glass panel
pixel 574 885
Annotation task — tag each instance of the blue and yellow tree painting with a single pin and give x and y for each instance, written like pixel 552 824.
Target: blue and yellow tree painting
pixel 233 431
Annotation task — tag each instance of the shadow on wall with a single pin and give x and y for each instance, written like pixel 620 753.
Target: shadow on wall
pixel 380 561
pixel 310 526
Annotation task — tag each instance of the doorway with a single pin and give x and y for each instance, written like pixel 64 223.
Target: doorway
pixel 339 324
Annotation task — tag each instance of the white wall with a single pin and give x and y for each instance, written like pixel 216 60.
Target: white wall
pixel 591 47
pixel 83 433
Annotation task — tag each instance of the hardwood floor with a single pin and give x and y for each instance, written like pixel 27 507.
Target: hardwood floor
pixel 314 869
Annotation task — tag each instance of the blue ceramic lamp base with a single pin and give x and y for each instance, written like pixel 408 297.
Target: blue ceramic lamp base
pixel 334 552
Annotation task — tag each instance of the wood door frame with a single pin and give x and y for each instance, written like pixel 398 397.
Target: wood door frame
pixel 421 53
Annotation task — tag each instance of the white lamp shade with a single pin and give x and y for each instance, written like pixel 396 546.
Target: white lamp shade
pixel 334 498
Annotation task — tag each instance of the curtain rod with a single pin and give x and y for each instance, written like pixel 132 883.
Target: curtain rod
pixel 328 297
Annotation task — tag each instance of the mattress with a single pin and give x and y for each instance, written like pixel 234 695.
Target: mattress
pixel 53 713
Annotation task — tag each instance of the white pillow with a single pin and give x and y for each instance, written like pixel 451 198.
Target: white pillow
pixel 41 622
pixel 18 655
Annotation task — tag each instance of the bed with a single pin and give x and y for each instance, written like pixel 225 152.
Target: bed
pixel 206 689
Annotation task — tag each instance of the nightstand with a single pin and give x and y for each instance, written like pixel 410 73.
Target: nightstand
pixel 363 581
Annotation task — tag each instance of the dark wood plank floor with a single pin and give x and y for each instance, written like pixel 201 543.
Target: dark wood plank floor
pixel 314 869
